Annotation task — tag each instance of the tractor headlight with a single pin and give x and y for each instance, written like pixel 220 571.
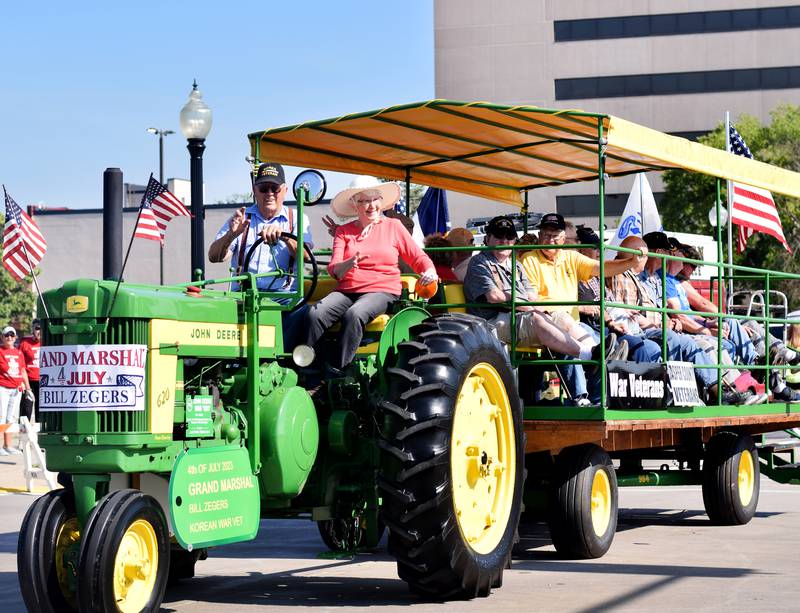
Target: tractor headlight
pixel 303 355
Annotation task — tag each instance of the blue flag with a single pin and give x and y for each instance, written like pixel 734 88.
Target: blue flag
pixel 432 216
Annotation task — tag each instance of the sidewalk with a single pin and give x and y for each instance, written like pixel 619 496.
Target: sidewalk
pixel 12 477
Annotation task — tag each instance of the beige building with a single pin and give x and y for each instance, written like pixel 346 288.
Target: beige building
pixel 673 65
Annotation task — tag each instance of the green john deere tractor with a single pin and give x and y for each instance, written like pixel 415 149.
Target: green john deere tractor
pixel 177 421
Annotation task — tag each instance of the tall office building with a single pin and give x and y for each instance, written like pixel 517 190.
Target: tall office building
pixel 673 65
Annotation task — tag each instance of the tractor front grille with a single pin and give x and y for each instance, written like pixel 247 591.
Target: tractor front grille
pixel 119 331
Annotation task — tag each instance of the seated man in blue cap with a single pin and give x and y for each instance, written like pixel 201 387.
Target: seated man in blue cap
pixel 266 219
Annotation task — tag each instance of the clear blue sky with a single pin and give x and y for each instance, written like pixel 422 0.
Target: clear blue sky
pixel 82 81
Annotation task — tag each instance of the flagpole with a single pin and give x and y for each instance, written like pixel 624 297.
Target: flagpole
pixel 127 253
pixel 729 271
pixel 28 259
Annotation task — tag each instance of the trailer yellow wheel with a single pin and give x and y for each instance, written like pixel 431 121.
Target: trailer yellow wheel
pixel 452 467
pixel 481 451
pixel 582 514
pixel 731 479
pixel 47 553
pixel 601 502
pixel 746 477
pixel 124 558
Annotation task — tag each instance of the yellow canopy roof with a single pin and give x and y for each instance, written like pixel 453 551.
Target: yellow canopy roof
pixel 498 151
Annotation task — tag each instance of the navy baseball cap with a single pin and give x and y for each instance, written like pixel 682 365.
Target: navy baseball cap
pixel 587 236
pixel 501 226
pixel 658 240
pixel 554 220
pixel 269 173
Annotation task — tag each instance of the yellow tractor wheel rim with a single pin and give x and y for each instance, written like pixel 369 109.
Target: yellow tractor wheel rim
pixel 136 567
pixel 482 458
pixel 746 477
pixel 68 535
pixel 601 502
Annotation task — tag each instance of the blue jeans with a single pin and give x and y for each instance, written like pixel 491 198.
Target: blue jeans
pixel 294 323
pixel 682 348
pixel 738 343
pixel 639 350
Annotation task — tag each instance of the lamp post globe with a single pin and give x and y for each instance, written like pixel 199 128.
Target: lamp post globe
pixel 712 216
pixel 195 121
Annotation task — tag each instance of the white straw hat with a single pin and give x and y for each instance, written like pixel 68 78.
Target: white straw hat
pixel 344 206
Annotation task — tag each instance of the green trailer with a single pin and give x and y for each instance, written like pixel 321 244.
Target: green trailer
pixel 177 420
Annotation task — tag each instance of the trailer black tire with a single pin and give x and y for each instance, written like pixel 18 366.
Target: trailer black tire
pixel 582 514
pixel 131 524
pixel 182 564
pixel 337 534
pixel 731 479
pixel 50 527
pixel 452 467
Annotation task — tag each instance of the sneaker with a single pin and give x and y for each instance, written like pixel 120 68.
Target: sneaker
pixel 787 394
pixel 783 355
pixel 3 451
pixel 752 398
pixel 620 352
pixel 583 401
pixel 611 348
pixel 12 451
pixel 729 396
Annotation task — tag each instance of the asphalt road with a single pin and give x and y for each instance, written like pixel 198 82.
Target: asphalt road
pixel 665 557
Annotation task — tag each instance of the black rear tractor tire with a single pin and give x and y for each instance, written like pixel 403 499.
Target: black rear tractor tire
pixel 453 458
pixel 731 479
pixel 124 557
pixel 48 532
pixel 582 514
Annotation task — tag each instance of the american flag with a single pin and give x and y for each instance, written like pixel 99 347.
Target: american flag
pixel 752 209
pixel 23 243
pixel 158 206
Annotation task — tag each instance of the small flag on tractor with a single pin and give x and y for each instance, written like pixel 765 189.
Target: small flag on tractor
pixel 159 205
pixel 23 243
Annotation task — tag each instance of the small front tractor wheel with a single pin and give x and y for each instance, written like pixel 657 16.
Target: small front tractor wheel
pixel 124 558
pixel 731 479
pixel 453 458
pixel 47 553
pixel 583 505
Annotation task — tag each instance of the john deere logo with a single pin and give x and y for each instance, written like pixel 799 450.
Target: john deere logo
pixel 77 304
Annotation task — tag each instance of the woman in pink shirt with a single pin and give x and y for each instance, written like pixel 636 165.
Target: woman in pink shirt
pixel 364 261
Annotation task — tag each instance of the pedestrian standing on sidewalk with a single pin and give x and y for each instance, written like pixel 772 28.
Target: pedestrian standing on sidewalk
pixel 29 346
pixel 13 383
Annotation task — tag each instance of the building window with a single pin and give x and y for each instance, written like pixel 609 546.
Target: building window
pixel 665 84
pixel 701 22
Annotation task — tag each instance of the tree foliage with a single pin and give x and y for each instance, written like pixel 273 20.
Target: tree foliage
pixel 16 301
pixel 689 196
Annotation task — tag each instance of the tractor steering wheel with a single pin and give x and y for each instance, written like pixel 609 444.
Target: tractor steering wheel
pixel 311 260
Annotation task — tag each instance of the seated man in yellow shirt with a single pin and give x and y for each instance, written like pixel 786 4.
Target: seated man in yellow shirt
pixel 555 273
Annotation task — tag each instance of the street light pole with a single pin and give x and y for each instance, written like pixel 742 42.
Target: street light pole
pixel 161 134
pixel 195 121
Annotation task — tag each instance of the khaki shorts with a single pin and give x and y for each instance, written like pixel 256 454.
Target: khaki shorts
pixel 526 328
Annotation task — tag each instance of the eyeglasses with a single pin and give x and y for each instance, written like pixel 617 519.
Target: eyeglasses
pixel 365 200
pixel 9 334
pixel 551 236
pixel 269 188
